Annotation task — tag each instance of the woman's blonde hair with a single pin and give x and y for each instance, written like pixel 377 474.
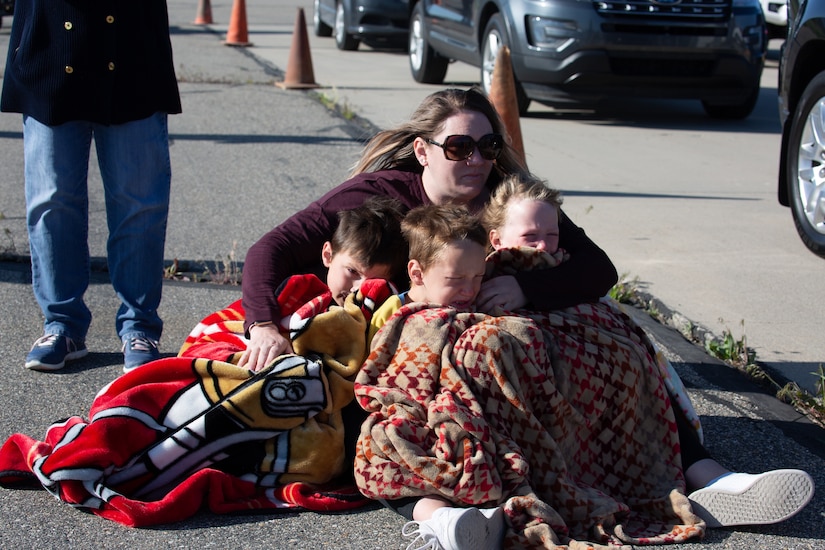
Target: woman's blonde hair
pixel 523 187
pixel 393 148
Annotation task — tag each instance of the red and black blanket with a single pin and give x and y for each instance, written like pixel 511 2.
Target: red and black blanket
pixel 182 433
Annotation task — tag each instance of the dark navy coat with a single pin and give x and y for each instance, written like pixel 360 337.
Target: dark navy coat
pixel 104 61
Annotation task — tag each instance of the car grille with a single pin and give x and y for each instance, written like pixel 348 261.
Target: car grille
pixel 661 67
pixel 666 10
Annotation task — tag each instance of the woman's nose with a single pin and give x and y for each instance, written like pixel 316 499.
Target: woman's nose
pixel 475 157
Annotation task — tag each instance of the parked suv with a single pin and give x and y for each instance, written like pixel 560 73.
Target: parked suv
pixel 375 22
pixel 579 51
pixel 802 114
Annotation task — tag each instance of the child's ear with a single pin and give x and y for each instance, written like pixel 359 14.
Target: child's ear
pixel 415 272
pixel 495 239
pixel 326 253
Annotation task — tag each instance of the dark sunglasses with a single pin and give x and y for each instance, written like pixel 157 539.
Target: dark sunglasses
pixel 460 147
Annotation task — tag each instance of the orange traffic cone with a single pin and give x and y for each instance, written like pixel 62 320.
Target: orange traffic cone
pixel 204 16
pixel 238 35
pixel 503 97
pixel 299 66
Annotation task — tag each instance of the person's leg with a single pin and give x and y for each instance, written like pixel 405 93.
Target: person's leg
pixel 56 169
pixel 136 170
pixel 698 465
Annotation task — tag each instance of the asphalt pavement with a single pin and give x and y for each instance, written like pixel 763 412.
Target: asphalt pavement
pixel 245 155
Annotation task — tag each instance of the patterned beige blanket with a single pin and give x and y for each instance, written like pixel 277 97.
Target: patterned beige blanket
pixel 562 417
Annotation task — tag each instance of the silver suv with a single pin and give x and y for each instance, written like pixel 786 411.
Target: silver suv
pixel 580 51
pixel 802 114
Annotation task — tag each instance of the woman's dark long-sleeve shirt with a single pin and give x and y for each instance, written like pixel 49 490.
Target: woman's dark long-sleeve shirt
pixel 295 247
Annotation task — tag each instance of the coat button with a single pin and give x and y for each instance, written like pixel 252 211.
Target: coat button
pixel 67 25
pixel 69 69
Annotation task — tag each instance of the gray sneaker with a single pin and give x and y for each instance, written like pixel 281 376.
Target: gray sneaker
pixel 753 499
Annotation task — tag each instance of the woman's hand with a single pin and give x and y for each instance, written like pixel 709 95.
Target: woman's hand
pixel 265 344
pixel 503 291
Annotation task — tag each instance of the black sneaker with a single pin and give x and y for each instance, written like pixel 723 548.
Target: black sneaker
pixel 137 351
pixel 50 352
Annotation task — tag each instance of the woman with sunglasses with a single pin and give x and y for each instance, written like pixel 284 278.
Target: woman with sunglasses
pixel 452 150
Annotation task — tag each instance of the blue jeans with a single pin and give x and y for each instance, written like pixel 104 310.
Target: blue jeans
pixel 136 171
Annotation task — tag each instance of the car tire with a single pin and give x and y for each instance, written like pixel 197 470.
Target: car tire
pixel 318 26
pixel 735 111
pixel 805 163
pixel 426 65
pixel 343 40
pixel 495 36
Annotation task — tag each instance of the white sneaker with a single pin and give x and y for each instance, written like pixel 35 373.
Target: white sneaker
pixel 753 499
pixel 457 529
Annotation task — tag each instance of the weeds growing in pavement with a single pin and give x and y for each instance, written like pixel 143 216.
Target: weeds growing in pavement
pixel 331 102
pixel 624 291
pixel 736 353
pixel 223 270
pixel 731 350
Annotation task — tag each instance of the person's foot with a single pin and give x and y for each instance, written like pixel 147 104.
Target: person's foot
pixel 51 351
pixel 753 499
pixel 137 351
pixel 457 529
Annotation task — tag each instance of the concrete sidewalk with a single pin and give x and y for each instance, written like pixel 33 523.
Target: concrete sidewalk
pixel 245 155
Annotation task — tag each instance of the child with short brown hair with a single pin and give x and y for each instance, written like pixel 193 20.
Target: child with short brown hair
pixel 446 259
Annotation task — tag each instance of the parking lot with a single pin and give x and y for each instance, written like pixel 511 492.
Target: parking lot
pixel 667 193
pixel 683 203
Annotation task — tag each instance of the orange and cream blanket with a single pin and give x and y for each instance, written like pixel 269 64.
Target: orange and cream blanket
pixel 563 418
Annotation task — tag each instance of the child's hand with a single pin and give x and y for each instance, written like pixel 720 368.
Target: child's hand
pixel 501 292
pixel 265 344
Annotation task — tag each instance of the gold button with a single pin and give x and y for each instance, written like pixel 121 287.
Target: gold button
pixel 67 25
pixel 111 65
pixel 69 69
pixel 110 18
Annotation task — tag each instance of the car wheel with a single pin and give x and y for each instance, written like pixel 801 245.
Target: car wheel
pixel 320 28
pixel 427 66
pixel 806 166
pixel 343 40
pixel 494 38
pixel 735 111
